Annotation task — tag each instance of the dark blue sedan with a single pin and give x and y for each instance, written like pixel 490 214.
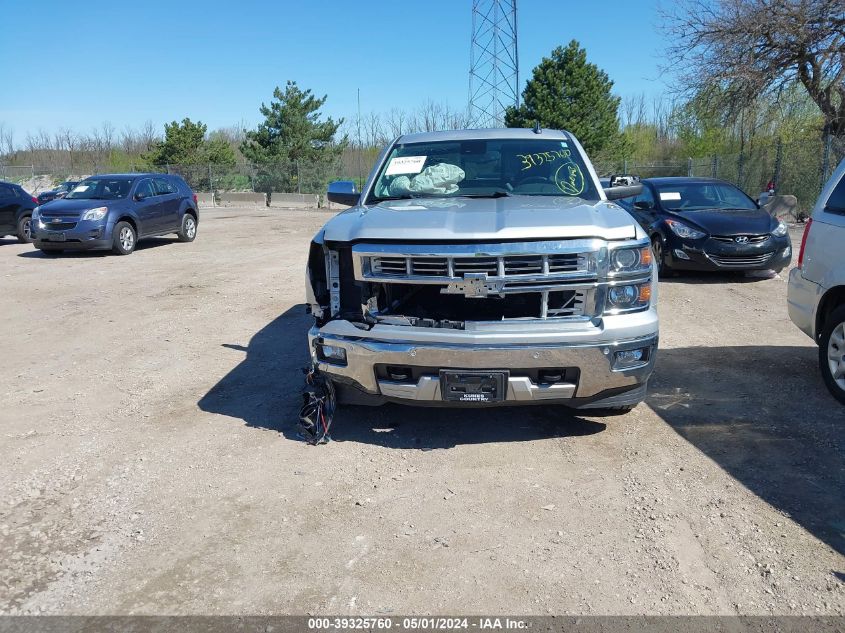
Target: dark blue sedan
pixel 112 212
pixel 707 224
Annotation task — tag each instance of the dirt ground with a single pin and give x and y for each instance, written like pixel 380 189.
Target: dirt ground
pixel 150 462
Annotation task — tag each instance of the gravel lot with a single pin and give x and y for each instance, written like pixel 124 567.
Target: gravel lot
pixel 151 463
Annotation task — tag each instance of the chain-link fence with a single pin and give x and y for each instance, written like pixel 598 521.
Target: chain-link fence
pixel 798 168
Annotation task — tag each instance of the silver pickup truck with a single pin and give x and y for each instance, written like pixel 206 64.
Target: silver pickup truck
pixel 484 267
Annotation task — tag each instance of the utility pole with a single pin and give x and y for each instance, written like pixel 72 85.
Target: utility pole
pixel 360 144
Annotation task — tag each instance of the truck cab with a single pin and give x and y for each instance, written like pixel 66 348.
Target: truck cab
pixel 484 267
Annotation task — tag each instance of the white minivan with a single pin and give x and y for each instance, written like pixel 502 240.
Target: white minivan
pixel 816 294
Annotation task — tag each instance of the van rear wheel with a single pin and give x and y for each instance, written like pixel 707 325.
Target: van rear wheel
pixel 832 353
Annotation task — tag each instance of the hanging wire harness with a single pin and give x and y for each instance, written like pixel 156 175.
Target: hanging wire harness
pixel 318 406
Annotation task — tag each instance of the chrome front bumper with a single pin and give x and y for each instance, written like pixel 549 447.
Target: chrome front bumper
pixel 597 379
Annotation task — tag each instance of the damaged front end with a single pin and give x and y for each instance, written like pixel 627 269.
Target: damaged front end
pixel 566 320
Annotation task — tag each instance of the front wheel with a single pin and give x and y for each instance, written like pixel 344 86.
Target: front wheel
pixel 189 228
pixel 24 233
pixel 832 353
pixel 663 269
pixel 124 239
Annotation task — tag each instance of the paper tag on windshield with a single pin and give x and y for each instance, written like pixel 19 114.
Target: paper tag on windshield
pixel 80 188
pixel 405 165
pixel 670 195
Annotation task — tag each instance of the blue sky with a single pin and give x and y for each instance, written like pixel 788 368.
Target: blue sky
pixel 77 65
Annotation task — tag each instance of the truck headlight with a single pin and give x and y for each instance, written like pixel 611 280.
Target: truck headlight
pixel 95 214
pixel 780 230
pixel 630 260
pixel 36 213
pixel 628 297
pixel 682 230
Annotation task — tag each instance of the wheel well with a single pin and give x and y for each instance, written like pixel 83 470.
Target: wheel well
pixel 192 213
pixel 832 299
pixel 127 218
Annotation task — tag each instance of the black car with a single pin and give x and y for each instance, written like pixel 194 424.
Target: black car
pixel 706 224
pixel 16 207
pixel 59 192
pixel 113 211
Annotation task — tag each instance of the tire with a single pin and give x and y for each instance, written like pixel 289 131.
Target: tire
pixel 189 228
pixel 124 239
pixel 663 269
pixel 832 353
pixel 24 233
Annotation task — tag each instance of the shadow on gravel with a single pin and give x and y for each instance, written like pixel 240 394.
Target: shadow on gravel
pixel 143 244
pixel 717 277
pixel 264 392
pixel 764 415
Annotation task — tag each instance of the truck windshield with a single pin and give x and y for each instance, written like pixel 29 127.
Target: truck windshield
pixel 484 167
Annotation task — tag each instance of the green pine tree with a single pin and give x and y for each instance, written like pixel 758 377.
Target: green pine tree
pixel 566 92
pixel 295 149
pixel 186 143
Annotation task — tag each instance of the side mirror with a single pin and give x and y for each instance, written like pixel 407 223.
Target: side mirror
pixel 643 205
pixel 616 193
pixel 139 196
pixel 343 192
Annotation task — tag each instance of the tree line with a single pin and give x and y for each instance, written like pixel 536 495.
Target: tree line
pixel 747 73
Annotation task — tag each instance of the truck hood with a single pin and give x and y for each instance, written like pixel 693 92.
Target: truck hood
pixel 482 219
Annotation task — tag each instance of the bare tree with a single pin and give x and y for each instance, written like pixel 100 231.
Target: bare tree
pixel 741 49
pixel 396 122
pixel 7 142
pixel 148 136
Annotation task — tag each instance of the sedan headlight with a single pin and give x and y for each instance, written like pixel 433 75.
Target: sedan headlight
pixel 95 214
pixel 683 231
pixel 780 230
pixel 36 213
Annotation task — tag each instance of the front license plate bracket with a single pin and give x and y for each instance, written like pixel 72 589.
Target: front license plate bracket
pixel 473 386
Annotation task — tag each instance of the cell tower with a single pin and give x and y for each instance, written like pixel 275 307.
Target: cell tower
pixel 494 63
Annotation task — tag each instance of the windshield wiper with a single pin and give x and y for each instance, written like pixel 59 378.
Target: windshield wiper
pixel 500 193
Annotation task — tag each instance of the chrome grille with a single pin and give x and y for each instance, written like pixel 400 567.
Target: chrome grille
pixel 389 265
pixel 526 265
pixel 740 261
pixel 561 262
pixel 436 266
pixel 59 226
pixel 463 265
pixel 450 267
pixel 752 239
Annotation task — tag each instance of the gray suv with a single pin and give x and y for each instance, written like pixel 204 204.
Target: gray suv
pixel 112 212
